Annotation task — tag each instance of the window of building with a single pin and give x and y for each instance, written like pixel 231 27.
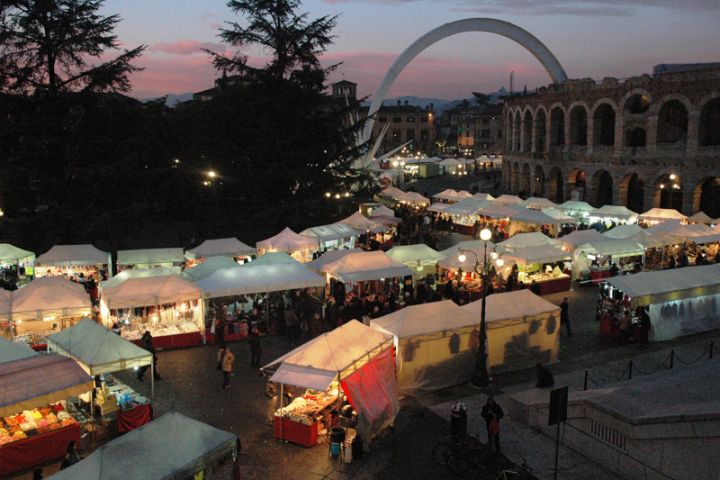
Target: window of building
pixel 410 119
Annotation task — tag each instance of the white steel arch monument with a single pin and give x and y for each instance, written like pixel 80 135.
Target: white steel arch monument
pixel 488 25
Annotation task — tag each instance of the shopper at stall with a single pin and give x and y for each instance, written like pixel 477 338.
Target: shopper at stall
pixel 492 413
pixel 565 315
pixel 225 362
pixel 71 455
pixel 255 348
pixel 146 342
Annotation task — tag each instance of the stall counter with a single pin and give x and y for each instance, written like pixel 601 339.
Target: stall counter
pixel 37 449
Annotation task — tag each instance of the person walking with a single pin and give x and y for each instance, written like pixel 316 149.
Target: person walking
pixel 255 348
pixel 225 361
pixel 146 342
pixel 493 413
pixel 565 315
pixel 71 455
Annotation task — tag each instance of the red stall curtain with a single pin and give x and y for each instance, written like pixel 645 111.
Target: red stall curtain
pixel 373 393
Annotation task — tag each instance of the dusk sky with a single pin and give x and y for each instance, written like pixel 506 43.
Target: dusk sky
pixel 591 38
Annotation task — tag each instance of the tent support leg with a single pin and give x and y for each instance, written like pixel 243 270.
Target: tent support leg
pixel 152 380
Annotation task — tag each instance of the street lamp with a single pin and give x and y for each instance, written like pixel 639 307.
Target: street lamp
pixel 482 267
pixel 399 164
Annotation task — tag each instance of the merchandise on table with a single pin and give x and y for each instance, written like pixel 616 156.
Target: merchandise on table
pixel 33 422
pixel 309 407
pixel 160 321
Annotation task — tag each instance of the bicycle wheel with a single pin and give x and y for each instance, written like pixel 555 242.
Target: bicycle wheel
pixel 459 463
pixel 442 453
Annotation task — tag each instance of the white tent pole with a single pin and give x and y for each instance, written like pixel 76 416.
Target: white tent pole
pixel 152 379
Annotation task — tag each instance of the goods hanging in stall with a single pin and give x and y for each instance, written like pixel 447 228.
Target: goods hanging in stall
pixel 333 236
pixel 6 330
pixel 100 352
pixel 542 268
pixel 171 447
pixel 220 247
pixel 36 420
pixel 526 220
pixel 616 214
pixel 300 247
pixel 675 302
pixel 15 263
pixel 660 215
pixel 169 307
pixel 522 329
pixel 172 258
pixel 354 361
pixel 376 268
pixel 436 345
pixel 47 305
pixel 419 257
pixel 208 267
pixel 74 262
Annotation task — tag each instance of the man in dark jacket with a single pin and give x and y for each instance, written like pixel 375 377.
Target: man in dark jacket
pixel 565 315
pixel 493 413
pixel 146 342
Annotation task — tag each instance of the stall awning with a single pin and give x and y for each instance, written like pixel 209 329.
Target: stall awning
pixel 36 381
pixel 331 355
pixel 249 279
pixel 287 241
pixel 438 207
pixel 701 217
pixel 579 237
pixel 497 210
pixel 383 211
pixel 538 254
pixel 48 296
pixel 532 239
pixel 467 206
pixel 447 194
pixel 10 351
pixel 484 197
pixel 329 257
pixel 645 288
pixel 425 318
pixel 150 291
pixel 617 248
pixel 364 266
pixel 150 256
pixel 143 273
pixel 538 203
pixel 274 258
pixel 662 215
pixel 418 254
pixel 171 447
pixel 69 255
pixel 328 233
pixel 10 254
pixel 98 349
pixel 534 217
pixel 558 215
pixel 221 247
pixel 509 305
pixel 623 231
pixel 509 200
pixel 574 206
pixel 614 211
pixel 208 267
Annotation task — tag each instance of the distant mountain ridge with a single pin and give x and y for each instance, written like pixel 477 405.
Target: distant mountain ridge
pixel 439 104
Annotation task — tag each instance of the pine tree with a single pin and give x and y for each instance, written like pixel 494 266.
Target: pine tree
pixel 47 46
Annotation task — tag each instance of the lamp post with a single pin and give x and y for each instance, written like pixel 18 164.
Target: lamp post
pixel 399 164
pixel 482 267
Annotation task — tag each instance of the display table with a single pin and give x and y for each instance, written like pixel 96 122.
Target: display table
pixel 597 275
pixel 37 449
pixel 295 432
pixel 557 284
pixel 133 418
pixel 178 340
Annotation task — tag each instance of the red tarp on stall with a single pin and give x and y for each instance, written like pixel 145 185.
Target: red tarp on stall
pixel 373 392
pixel 38 449
pixel 134 418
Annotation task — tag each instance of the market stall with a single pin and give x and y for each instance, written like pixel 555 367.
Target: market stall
pixel 462 268
pixel 101 352
pixel 353 361
pixel 220 247
pixel 6 330
pixel 538 203
pixel 577 209
pixel 597 260
pixel 333 236
pixel 465 215
pixel 655 216
pixel 506 199
pixel 45 306
pixel 573 240
pixel 702 217
pixel 169 307
pixel 329 257
pixel 171 447
pixel 74 262
pixel 420 258
pixel 448 196
pixel 623 231
pixel 208 267
pixel 372 270
pixel 677 302
pixel 526 220
pixel 10 351
pixel 436 345
pixel 300 247
pixel 522 329
pixel 542 268
pixel 413 199
pixel 16 264
pixel 36 419
pixel 612 214
pixel 486 197
pixel 172 258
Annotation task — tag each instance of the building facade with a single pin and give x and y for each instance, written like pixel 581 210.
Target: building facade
pixel 648 141
pixel 471 130
pixel 407 123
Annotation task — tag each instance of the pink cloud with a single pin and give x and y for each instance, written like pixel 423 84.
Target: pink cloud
pixel 185 47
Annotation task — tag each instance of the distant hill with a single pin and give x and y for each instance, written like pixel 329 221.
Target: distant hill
pixel 172 99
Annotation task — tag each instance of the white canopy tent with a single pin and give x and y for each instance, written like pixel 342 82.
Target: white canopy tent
pixel 151 257
pixel 497 210
pixel 486 197
pixel 419 257
pixel 702 217
pixel 172 447
pixel 532 239
pixel 128 274
pixel 538 254
pixel 208 267
pixel 576 208
pixel 329 257
pixel 438 207
pixel 10 351
pixel 615 213
pixel 680 301
pixel 462 194
pixel 361 223
pixel 509 200
pixel 447 194
pixel 340 356
pixel 365 266
pixel 391 192
pixel 538 203
pixel 249 279
pixel 466 206
pixel 523 329
pixel 578 237
pixel 382 211
pixel 615 248
pixel 220 247
pixel 149 291
pixel 559 216
pixel 531 217
pixel 300 247
pixel 334 232
pixel 274 258
pixel 451 260
pixel 48 298
pixel 436 345
pixel 623 231
pixel 12 255
pixel 659 215
pixel 413 198
pixel 74 255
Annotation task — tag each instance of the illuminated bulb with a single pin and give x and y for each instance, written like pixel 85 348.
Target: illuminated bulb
pixel 462 258
pixel 212 174
pixel 500 262
pixel 673 176
pixel 485 234
pixel 328 194
pixel 337 195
